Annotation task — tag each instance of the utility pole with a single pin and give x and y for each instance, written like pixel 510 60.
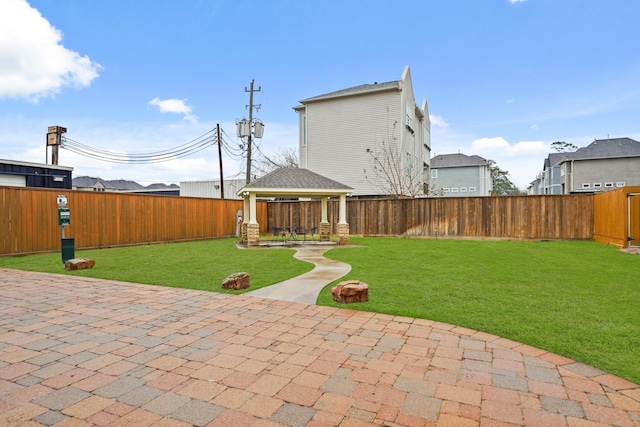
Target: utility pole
pixel 54 138
pixel 251 90
pixel 220 159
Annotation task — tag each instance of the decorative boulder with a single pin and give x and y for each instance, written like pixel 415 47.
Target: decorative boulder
pixel 78 264
pixel 350 291
pixel 237 281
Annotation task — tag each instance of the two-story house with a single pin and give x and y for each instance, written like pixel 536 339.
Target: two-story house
pixel 373 138
pixel 459 175
pixel 602 165
pixel 549 181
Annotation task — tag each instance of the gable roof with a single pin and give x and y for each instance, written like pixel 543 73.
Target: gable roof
pixel 356 90
pixel 456 160
pixel 554 159
pixel 118 184
pixel 608 148
pixel 88 181
pixel 295 181
pixel 123 184
pixel 161 186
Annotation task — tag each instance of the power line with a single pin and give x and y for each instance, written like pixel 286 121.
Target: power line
pixel 204 141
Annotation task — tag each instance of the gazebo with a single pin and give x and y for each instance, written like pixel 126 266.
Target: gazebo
pixel 292 183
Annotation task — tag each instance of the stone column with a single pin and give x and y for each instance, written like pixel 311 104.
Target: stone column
pixel 324 231
pixel 243 233
pixel 343 234
pixel 253 234
pixel 343 226
pixel 245 220
pixel 253 228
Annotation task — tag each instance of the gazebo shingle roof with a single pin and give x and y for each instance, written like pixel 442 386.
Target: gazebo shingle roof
pixel 295 179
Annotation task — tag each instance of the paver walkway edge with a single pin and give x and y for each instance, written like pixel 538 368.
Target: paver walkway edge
pixel 306 287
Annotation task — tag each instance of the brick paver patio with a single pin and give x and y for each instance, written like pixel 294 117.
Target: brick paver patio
pixel 82 352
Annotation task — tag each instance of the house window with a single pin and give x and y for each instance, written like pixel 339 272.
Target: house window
pixel 562 169
pixel 608 184
pixel 454 189
pixel 446 189
pixel 304 131
pixel 619 184
pixel 409 161
pixel 463 189
pixel 586 185
pixel 597 185
pixel 409 116
pixel 434 173
pixel 427 138
pixel 472 189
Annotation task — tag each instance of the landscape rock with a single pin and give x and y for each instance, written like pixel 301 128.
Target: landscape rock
pixel 237 281
pixel 350 291
pixel 78 264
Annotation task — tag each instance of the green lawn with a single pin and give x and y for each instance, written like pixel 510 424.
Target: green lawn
pixel 195 265
pixel 578 299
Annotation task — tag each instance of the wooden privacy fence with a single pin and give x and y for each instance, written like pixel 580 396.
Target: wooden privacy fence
pixel 29 222
pixel 521 217
pixel 29 219
pixel 617 217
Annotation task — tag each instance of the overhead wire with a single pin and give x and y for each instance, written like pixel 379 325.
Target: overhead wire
pixel 198 144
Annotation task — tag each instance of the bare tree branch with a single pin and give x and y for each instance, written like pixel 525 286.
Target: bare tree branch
pixel 395 176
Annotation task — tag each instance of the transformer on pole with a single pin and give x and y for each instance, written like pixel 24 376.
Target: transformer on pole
pixel 248 128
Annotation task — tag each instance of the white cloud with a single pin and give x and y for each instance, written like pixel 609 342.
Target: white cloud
pixel 524 147
pixel 510 100
pixel 485 144
pixel 178 106
pixel 438 121
pixel 33 63
pixel 516 1
pixel 502 146
pixel 533 127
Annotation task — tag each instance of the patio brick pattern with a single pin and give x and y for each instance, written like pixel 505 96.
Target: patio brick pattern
pixel 80 351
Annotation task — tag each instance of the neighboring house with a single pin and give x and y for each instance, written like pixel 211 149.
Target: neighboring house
pixel 604 164
pixel 14 173
pixel 159 189
pixel 549 181
pixel 349 134
pixel 88 183
pixel 212 188
pixel 459 175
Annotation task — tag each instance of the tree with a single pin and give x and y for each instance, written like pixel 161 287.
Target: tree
pixel 502 185
pixel 395 176
pixel 285 157
pixel 563 147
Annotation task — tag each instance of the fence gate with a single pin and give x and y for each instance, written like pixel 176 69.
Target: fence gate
pixel 633 206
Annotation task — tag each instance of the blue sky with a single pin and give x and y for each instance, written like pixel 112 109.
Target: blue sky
pixel 503 78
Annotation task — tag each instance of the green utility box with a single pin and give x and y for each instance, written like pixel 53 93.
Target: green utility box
pixel 68 249
pixel 64 217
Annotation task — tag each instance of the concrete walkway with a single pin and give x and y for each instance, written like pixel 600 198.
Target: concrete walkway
pixel 306 287
pixel 77 351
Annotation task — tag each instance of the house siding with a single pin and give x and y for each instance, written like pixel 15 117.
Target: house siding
pixel 604 171
pixel 16 173
pixel 459 178
pixel 339 132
